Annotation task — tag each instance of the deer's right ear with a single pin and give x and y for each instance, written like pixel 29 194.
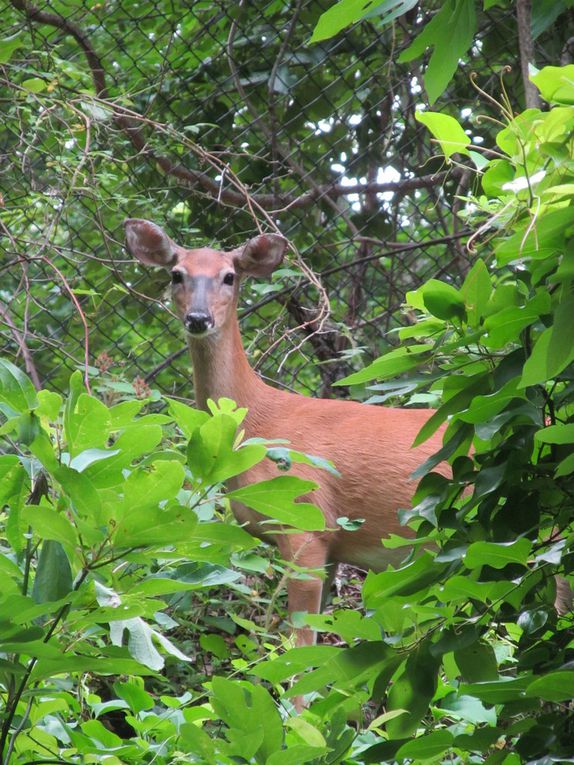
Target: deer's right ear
pixel 149 243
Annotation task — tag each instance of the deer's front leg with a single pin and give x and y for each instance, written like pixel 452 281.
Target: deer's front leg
pixel 308 552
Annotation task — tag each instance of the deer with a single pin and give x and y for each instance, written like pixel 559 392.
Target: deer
pixel 370 446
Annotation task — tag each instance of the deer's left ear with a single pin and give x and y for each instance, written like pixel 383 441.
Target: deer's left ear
pixel 261 255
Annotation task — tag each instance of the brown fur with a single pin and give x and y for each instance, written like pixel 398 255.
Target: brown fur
pixel 370 446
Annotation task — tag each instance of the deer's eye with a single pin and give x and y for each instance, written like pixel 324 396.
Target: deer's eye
pixel 176 277
pixel 229 278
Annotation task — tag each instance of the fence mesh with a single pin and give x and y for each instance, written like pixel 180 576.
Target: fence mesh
pixel 218 120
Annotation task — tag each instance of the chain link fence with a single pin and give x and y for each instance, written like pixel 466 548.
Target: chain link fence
pixel 218 120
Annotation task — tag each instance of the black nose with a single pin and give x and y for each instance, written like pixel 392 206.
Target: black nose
pixel 197 323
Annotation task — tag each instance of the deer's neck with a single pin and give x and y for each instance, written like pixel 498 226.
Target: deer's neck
pixel 221 369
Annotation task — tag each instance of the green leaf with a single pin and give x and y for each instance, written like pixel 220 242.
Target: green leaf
pixel 556 434
pixel 393 363
pixel 426 747
pixel 497 554
pixel 447 131
pixel 34 84
pixel 443 300
pixel 49 524
pixel 537 239
pixel 9 45
pixel 500 691
pixel 347 12
pixel 483 408
pixel 561 345
pixel 293 662
pixel 536 367
pixel 403 581
pixel 450 33
pixel 254 725
pixel 556 83
pixel 54 578
pixel 212 456
pixel 476 291
pixel 49 405
pixel 477 662
pixel 413 691
pixel 276 499
pixel 187 418
pixel 16 389
pixel 135 695
pixel 88 425
pixel 554 686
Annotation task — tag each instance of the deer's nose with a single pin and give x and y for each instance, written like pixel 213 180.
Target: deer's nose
pixel 198 322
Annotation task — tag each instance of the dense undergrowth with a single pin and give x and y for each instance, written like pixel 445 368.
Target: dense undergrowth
pixel 117 645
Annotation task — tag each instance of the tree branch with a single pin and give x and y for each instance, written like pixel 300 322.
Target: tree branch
pixel 130 122
pixel 526 47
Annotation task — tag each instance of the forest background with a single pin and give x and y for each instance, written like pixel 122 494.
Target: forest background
pixel 412 154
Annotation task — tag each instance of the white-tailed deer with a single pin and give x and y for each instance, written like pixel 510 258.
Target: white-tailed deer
pixel 370 446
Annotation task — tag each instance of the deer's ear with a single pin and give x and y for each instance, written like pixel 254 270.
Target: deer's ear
pixel 260 255
pixel 149 243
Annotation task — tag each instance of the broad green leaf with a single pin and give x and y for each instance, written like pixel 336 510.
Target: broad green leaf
pixel 16 389
pixel 554 686
pixel 49 405
pixel 297 754
pixel 561 345
pixel 53 579
pixel 13 477
pixel 447 132
pixel 403 581
pixel 347 12
pixel 187 418
pixel 294 661
pixel 443 300
pixel 556 83
pixel 276 499
pixel 308 733
pixel 477 662
pixel 497 554
pixel 483 408
pixel 249 711
pixel 537 238
pixel 130 445
pixel 413 691
pixel 211 453
pixel 34 84
pixel 148 487
pixel 88 425
pixel 71 663
pixel 350 625
pixel 476 291
pixel 556 434
pixel 351 668
pixel 142 642
pixel 469 709
pixel 450 33
pixel 122 414
pixel 393 363
pixel 135 695
pixel 536 367
pixel 9 45
pixel 426 747
pixel 284 456
pixel 499 691
pixel 506 325
pixel 49 524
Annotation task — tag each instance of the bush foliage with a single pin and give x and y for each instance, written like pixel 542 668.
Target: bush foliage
pixel 111 527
